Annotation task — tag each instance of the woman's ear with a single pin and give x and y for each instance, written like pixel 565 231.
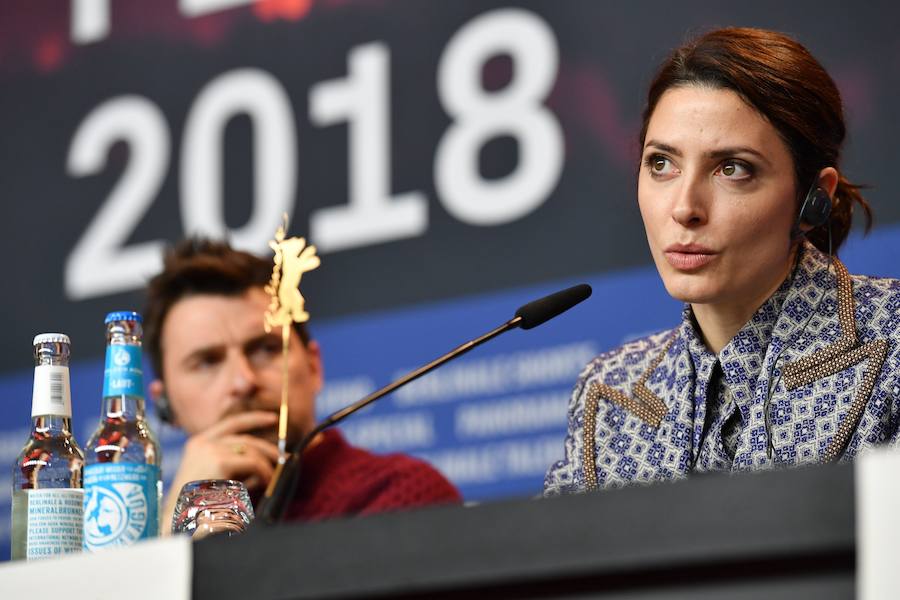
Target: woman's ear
pixel 828 181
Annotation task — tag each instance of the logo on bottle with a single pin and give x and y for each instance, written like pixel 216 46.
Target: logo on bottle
pixel 115 515
pixel 123 374
pixel 121 358
pixel 119 504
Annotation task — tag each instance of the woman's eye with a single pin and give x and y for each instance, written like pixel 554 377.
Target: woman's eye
pixel 658 165
pixel 733 169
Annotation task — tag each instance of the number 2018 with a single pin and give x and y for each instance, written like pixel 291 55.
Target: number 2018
pixel 103 263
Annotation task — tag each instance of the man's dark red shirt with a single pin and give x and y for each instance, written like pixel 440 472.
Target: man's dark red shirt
pixel 338 479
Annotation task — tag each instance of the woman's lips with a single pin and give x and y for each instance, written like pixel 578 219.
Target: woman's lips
pixel 689 258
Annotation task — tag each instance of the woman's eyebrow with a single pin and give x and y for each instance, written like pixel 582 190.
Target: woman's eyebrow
pixel 735 150
pixel 662 147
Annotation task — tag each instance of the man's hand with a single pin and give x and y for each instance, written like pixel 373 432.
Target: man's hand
pixel 227 450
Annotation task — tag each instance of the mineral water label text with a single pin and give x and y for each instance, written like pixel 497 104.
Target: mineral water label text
pixel 54 522
pixel 120 504
pixel 51 394
pixel 123 374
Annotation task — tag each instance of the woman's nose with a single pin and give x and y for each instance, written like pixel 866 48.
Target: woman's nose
pixel 690 205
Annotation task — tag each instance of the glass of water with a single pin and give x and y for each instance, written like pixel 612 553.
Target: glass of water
pixel 212 506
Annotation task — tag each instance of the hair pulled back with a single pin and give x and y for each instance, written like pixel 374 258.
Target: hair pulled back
pixel 780 79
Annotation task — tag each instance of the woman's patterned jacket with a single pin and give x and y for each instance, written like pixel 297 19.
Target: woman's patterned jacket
pixel 827 343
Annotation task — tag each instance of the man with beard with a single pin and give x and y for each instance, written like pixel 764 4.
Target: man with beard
pixel 219 380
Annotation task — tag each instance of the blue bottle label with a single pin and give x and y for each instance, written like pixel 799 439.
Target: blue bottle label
pixel 120 504
pixel 123 373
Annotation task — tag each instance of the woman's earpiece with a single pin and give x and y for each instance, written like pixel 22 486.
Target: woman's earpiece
pixel 816 207
pixel 814 211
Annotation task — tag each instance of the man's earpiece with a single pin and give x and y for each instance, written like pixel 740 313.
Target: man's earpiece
pixel 164 409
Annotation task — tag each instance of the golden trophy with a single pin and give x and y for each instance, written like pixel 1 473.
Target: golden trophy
pixel 293 257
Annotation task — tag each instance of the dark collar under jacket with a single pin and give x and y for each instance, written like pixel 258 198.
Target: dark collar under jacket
pixel 813 373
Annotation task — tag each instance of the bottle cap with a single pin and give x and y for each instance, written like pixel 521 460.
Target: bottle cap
pixel 51 338
pixel 123 315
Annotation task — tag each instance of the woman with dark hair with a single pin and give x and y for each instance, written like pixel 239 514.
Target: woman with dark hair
pixel 782 358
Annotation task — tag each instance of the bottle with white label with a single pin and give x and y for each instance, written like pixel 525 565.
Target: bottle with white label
pixel 122 484
pixel 47 503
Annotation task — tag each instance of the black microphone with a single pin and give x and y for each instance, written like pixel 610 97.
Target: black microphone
pixel 284 481
pixel 542 310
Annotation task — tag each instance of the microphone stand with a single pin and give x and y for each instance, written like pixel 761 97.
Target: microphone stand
pixel 284 482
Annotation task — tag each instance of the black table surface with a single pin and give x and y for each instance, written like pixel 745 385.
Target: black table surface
pixel 781 534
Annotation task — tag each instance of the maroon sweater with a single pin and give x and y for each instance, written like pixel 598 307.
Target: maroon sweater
pixel 338 479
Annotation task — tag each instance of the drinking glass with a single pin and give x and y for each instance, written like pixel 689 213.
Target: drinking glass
pixel 212 506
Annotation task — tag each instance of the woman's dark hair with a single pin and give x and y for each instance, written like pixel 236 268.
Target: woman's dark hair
pixel 780 79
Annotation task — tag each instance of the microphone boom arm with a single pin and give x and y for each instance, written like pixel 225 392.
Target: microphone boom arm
pixel 341 414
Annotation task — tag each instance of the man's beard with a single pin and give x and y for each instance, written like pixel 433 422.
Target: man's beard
pixel 270 433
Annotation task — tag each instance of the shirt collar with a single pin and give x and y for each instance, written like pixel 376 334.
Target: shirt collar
pixel 742 357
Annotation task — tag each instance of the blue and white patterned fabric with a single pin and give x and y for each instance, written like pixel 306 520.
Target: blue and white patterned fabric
pixel 658 408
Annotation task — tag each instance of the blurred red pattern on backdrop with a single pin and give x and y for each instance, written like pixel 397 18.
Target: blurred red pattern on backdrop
pixel 35 35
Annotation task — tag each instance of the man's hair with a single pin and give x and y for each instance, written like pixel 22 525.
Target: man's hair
pixel 200 266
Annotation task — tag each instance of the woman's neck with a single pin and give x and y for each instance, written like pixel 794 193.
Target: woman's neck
pixel 720 322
